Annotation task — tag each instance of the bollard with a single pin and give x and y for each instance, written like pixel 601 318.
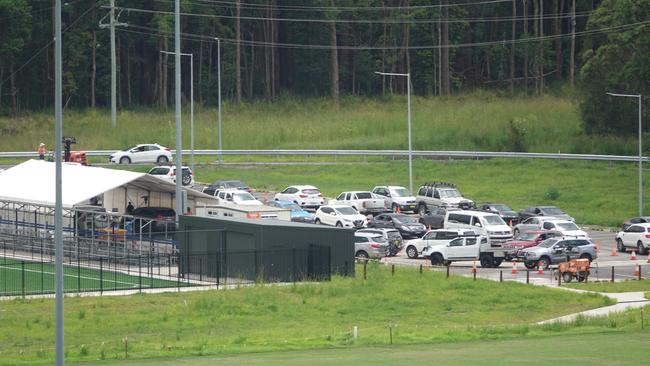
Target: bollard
pixel 527 277
pixel 612 273
pixel 420 269
pixel 364 270
pixel 639 272
pixel 474 274
pixel 392 270
pixel 501 276
pixel 559 278
pixel 355 332
pixel 390 330
pixel 447 271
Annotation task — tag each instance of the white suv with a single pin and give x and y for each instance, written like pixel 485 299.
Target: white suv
pixel 396 197
pixel 303 196
pixel 416 247
pixel 143 153
pixel 635 236
pixel 169 173
pixel 238 197
pixel 341 216
pixel 487 224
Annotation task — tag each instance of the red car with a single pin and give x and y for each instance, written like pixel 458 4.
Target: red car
pixel 528 239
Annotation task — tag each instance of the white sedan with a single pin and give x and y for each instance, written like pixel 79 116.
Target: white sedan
pixel 143 153
pixel 238 197
pixel 340 216
pixel 303 196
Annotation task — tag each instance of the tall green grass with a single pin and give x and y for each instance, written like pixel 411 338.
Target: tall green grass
pixel 477 121
pixel 420 308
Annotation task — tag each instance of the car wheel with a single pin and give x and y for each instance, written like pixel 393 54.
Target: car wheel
pixel 437 260
pixel 640 249
pixel 567 277
pixel 530 264
pixel 586 256
pixel 362 255
pixel 411 252
pixel 544 262
pixel 187 179
pixel 317 222
pixel 487 261
pixel 162 159
pixel 497 262
pixel 619 246
pixel 394 208
pixel 338 224
pixel 422 209
pixel 582 276
pixel 125 160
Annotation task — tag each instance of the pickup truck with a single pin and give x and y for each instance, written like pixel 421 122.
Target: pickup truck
pixel 363 201
pixel 465 248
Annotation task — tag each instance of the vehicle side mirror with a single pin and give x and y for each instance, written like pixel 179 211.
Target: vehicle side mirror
pixel 478 224
pixel 333 213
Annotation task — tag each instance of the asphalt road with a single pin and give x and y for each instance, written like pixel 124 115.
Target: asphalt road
pixel 601 268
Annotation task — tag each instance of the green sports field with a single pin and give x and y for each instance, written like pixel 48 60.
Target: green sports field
pixel 22 277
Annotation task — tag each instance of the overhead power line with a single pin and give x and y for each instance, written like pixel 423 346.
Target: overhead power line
pixel 230 4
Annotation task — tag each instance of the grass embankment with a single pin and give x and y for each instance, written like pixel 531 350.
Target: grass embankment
pixel 477 121
pixel 422 309
pixel 628 348
pixel 625 286
pixel 593 192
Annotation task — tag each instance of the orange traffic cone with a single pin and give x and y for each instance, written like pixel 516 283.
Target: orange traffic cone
pixel 514 268
pixel 633 256
pixel 540 268
pixel 614 252
pixel 474 267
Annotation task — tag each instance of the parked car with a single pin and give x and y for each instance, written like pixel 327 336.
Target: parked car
pixel 369 245
pixel 435 219
pixel 408 226
pixel 363 201
pixel 303 196
pixel 544 211
pixel 486 224
pixel 636 236
pixel 528 239
pixel 557 250
pixel 339 215
pixel 507 214
pixel 215 187
pixel 238 197
pixel 168 173
pixel 397 197
pixel 463 248
pixel 297 213
pixel 415 247
pixel 635 220
pixel 392 236
pixel 154 220
pixel 143 153
pixel 440 194
pixel 549 223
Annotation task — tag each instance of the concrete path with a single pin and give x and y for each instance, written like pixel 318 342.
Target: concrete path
pixel 625 301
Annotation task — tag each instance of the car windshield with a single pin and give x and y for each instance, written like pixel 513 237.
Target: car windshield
pixel 159 171
pixel 394 235
pixel 293 207
pixel 403 219
pixel 552 211
pixel 526 236
pixel 130 148
pixel 568 226
pixel 346 211
pixel 379 239
pixel 449 193
pixel 364 195
pixel 501 207
pixel 310 191
pixel 547 243
pixel 493 220
pixel 234 184
pixel 243 197
pixel 400 192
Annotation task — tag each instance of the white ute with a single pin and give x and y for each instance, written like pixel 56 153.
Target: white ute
pixel 363 201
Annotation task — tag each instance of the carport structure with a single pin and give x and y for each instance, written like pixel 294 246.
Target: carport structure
pixel 94 206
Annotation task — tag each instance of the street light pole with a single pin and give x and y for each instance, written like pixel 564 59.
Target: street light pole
pixel 180 208
pixel 219 95
pixel 408 100
pixel 638 96
pixel 191 55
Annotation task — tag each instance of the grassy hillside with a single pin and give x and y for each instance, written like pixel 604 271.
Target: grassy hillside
pixel 478 121
pixel 422 309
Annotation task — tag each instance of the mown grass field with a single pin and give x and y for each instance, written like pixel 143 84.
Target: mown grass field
pixel 421 309
pixel 476 121
pixel 625 286
pixel 621 348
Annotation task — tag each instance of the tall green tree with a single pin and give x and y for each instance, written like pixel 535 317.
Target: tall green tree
pixel 15 27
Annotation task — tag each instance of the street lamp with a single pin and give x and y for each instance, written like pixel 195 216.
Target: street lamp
pixel 408 101
pixel 219 93
pixel 191 103
pixel 639 96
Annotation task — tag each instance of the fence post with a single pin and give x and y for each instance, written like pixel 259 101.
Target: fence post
pixel 447 271
pixel 559 278
pixel 392 270
pixel 140 273
pixel 639 272
pixel 42 277
pixel 346 269
pixel 527 277
pixel 420 269
pixel 101 275
pixel 500 275
pixel 22 272
pixel 365 263
pixel 201 269
pixel 150 270
pixel 612 273
pixel 78 275
pixel 218 268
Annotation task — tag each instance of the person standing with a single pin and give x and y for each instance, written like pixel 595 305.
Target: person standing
pixel 42 151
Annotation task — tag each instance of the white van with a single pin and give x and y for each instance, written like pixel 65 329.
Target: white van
pixel 483 223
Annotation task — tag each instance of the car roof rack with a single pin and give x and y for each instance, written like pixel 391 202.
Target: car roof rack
pixel 439 184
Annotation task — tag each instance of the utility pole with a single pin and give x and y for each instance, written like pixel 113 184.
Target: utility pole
pixel 180 207
pixel 112 26
pixel 219 95
pixel 58 208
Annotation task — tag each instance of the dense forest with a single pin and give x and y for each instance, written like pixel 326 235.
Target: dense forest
pixel 271 48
